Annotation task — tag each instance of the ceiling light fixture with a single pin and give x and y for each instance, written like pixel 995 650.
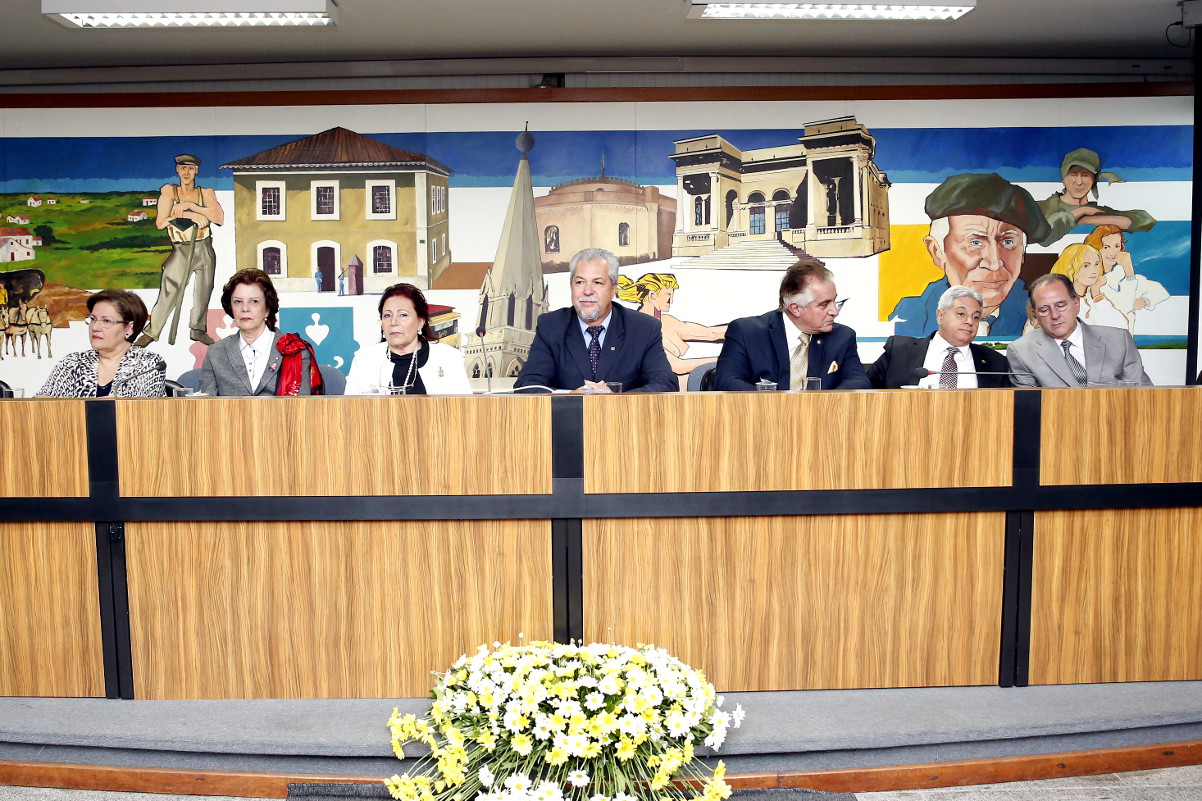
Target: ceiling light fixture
pixel 776 9
pixel 96 14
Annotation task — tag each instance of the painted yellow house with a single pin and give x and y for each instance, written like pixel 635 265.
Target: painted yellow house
pixel 305 209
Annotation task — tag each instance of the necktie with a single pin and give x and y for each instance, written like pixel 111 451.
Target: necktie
pixel 1074 365
pixel 594 347
pixel 947 376
pixel 799 362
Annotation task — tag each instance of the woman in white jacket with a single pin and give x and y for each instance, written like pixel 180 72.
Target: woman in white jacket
pixel 408 360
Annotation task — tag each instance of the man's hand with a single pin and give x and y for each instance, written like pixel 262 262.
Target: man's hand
pixel 592 388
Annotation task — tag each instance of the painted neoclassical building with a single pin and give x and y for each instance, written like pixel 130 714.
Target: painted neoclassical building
pixel 824 195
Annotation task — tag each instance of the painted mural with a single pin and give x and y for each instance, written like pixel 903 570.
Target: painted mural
pixel 704 204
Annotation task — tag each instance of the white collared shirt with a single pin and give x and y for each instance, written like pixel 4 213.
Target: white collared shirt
pixel 937 351
pixel 605 329
pixel 256 355
pixel 791 332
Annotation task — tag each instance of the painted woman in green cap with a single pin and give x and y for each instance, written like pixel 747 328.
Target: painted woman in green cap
pixel 1081 170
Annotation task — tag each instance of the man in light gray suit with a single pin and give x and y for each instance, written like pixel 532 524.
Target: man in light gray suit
pixel 1065 352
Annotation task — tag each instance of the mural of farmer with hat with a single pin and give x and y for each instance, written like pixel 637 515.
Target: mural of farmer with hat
pixel 1081 170
pixel 980 226
pixel 187 212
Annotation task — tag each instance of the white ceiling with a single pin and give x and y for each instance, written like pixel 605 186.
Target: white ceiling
pixel 613 30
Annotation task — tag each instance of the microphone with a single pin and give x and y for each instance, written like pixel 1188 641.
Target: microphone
pixel 922 372
pixel 160 367
pixel 522 390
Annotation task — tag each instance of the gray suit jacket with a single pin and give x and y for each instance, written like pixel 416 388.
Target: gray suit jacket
pixel 1110 357
pixel 224 371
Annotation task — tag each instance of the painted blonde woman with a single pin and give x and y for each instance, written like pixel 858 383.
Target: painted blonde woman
pixel 654 293
pixel 1129 291
pixel 1082 264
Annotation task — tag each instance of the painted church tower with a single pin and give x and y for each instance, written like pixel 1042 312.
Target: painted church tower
pixel 513 294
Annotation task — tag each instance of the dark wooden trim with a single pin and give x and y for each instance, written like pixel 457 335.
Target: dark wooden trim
pixel 353 97
pixel 1004 769
pixel 846 780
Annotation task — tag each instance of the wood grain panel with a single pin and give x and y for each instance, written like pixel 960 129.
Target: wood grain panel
pixel 791 603
pixel 49 611
pixel 740 441
pixel 1116 596
pixel 335 446
pixel 45 444
pixel 327 610
pixel 1134 435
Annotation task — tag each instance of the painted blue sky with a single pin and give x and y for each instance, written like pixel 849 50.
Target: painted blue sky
pixel 489 159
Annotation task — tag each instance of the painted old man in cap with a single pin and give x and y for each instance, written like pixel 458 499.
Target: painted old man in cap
pixel 186 212
pixel 980 226
pixel 1081 171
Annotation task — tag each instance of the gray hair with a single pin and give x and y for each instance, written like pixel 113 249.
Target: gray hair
pixel 595 254
pixel 795 286
pixel 952 292
pixel 941 227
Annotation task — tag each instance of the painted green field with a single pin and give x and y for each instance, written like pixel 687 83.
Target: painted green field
pixel 92 245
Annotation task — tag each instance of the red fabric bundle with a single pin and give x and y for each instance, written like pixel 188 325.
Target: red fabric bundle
pixel 292 367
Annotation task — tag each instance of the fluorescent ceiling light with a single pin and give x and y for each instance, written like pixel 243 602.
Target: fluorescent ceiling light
pixel 190 13
pixel 896 10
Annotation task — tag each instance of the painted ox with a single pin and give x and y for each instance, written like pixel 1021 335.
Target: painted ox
pixel 40 326
pixel 17 328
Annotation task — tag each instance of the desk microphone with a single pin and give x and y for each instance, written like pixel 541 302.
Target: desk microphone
pixel 922 372
pixel 159 367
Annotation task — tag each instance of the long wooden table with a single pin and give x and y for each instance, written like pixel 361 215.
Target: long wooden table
pixel 348 547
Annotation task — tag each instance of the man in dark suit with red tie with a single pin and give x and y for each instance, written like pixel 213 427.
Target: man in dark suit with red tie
pixel 797 340
pixel 581 348
pixel 947 354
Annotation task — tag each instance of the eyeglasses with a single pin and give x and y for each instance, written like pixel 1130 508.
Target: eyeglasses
pixel 103 322
pixel 1044 311
pixel 838 304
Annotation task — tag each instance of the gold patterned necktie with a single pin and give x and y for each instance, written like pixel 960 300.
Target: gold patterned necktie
pixel 799 362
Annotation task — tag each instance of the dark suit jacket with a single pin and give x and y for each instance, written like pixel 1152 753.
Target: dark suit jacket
pixel 755 349
pixel 224 371
pixel 903 355
pixel 633 353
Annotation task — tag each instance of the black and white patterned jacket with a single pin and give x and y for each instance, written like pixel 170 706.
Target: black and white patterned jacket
pixel 137 377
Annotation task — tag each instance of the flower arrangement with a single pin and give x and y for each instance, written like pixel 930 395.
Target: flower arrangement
pixel 553 722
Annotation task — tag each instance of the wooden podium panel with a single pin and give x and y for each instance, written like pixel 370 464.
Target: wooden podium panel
pixel 45 444
pixel 335 445
pixel 1116 595
pixel 747 441
pixel 49 610
pixel 1132 435
pixel 794 603
pixel 327 610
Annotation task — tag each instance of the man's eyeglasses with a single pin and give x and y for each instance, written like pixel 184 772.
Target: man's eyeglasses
pixel 1044 311
pixel 103 322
